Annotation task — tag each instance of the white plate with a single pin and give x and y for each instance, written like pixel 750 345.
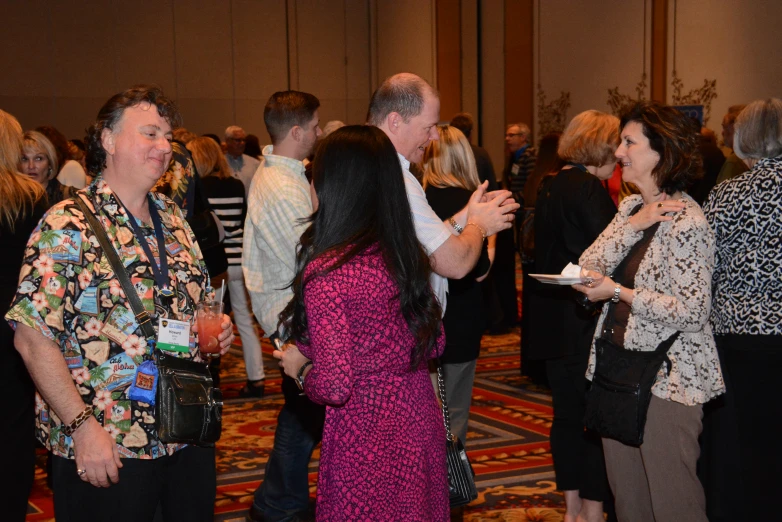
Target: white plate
pixel 556 279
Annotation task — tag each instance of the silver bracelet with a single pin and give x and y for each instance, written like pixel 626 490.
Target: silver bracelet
pixel 617 291
pixel 456 226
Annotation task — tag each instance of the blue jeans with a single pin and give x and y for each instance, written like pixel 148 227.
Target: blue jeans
pixel 284 492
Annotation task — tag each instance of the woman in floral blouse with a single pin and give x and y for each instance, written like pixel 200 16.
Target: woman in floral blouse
pixel 81 342
pixel 659 250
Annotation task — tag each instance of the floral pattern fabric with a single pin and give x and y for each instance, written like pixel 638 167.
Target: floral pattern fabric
pixel 672 292
pixel 176 181
pixel 69 293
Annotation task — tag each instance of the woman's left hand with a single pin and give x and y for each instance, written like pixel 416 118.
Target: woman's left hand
pixel 227 336
pixel 601 292
pixel 291 359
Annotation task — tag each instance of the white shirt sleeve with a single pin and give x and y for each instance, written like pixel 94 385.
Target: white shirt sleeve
pixel 429 228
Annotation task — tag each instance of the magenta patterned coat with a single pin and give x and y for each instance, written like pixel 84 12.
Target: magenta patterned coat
pixel 383 453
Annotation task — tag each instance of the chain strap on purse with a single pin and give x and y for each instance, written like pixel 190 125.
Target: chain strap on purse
pixel 461 477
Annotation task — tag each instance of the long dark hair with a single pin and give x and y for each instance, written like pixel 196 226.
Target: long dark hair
pixel 363 202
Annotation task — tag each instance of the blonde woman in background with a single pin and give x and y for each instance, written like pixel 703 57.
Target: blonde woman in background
pixel 450 177
pixel 22 203
pixel 227 198
pixel 39 162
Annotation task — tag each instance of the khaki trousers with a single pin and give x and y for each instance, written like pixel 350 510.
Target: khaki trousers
pixel 657 482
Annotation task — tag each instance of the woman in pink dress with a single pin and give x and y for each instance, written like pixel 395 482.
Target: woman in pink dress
pixel 362 324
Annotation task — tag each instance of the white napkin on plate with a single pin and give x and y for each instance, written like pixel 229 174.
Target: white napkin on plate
pixel 571 270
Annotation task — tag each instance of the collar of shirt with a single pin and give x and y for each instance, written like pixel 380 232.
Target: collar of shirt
pixel 235 162
pixel 405 163
pixel 518 153
pixel 105 202
pixel 272 160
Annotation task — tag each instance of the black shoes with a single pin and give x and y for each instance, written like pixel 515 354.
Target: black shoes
pixel 252 390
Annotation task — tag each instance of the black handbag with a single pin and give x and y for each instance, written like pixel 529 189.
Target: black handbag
pixel 189 407
pixel 461 477
pixel 618 400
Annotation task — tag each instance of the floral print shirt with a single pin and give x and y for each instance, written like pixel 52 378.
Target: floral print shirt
pixel 68 292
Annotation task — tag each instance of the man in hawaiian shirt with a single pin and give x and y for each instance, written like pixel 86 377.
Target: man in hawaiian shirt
pixel 80 340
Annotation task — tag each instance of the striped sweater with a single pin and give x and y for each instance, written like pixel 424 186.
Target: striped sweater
pixel 227 199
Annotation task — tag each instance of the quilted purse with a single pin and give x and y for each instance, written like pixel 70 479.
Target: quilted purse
pixel 618 400
pixel 461 477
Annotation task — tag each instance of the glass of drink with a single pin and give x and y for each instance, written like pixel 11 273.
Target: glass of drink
pixel 592 274
pixel 209 320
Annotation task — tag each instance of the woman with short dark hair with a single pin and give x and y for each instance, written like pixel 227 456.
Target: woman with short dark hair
pixel 365 321
pixel 659 250
pixel 742 458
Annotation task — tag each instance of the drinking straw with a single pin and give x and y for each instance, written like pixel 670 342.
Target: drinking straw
pixel 222 292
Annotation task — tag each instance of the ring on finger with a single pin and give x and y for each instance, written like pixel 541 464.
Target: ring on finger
pixel 81 472
pixel 660 205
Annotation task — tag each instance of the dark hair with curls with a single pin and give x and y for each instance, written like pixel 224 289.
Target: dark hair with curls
pixel 675 137
pixel 362 202
pixel 111 113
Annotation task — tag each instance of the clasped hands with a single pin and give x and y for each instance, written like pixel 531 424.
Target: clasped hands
pixel 291 359
pixel 492 211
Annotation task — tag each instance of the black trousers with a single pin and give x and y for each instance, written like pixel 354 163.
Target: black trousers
pixel 17 434
pixel 740 457
pixel 578 454
pixel 184 485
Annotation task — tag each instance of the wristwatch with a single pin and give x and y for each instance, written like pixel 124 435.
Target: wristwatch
pixel 617 291
pixel 300 375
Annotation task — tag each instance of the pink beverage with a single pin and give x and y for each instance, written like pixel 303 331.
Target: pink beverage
pixel 209 320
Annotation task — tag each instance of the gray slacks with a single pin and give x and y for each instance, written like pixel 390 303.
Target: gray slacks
pixel 657 482
pixel 459 378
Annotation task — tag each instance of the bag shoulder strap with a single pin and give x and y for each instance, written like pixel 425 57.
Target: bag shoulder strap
pixel 444 403
pixel 142 316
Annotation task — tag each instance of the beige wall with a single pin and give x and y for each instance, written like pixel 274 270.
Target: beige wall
pixel 220 59
pixel 586 48
pixel 733 42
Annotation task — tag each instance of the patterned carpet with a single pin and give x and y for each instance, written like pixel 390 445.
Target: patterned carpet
pixel 507 443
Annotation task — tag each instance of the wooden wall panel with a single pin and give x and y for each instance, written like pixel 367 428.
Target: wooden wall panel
pixel 659 69
pixel 144 48
pixel 357 60
pixel 519 92
pixel 406 38
pixel 493 80
pixel 323 72
pixel 259 48
pixel 26 59
pixel 204 50
pixel 449 62
pixel 470 64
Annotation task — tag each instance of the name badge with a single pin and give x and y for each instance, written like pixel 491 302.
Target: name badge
pixel 173 336
pixel 515 169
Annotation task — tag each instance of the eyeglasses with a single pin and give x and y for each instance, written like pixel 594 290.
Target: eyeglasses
pixel 237 140
pixel 512 134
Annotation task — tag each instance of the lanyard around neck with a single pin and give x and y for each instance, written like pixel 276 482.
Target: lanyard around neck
pixel 159 271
